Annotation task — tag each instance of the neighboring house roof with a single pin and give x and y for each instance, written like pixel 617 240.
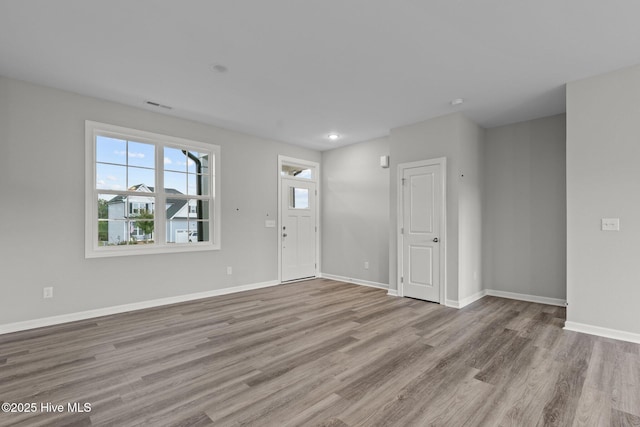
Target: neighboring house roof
pixel 176 207
pixel 172 211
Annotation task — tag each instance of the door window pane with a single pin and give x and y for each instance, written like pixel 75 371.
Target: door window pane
pixel 298 198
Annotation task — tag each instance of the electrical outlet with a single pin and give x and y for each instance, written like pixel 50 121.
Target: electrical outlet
pixel 229 270
pixel 47 292
pixel 366 265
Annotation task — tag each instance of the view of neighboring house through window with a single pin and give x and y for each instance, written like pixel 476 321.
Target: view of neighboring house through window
pixel 133 173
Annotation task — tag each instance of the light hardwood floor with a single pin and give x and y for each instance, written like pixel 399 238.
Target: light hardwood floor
pixel 327 353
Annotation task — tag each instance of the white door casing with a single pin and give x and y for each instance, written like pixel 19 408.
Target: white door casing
pixel 298 215
pixel 421 234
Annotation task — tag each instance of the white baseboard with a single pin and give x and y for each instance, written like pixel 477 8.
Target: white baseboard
pixel 106 311
pixel 465 301
pixel 602 332
pixel 451 303
pixel 392 292
pixel 355 281
pixel 525 297
pixel 472 298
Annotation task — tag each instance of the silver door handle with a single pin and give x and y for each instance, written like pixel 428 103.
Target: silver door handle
pixel 435 239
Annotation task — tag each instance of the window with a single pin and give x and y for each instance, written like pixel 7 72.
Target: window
pixel 298 198
pixel 301 172
pixel 131 174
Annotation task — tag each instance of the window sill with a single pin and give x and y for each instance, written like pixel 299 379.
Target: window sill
pixel 118 251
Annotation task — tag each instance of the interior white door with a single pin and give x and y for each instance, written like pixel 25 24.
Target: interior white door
pixel 298 233
pixel 422 200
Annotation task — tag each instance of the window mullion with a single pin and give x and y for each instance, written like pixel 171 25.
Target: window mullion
pixel 161 198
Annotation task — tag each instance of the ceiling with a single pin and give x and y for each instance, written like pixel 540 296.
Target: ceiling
pixel 299 70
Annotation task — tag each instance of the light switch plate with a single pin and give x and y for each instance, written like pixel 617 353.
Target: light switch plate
pixel 610 224
pixel 270 223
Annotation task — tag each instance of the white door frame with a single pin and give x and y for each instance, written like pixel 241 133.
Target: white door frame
pixel 442 161
pixel 284 160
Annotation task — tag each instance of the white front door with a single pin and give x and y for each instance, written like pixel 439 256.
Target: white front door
pixel 422 198
pixel 298 233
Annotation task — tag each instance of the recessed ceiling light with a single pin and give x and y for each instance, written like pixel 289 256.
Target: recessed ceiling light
pixel 219 68
pixel 457 101
pixel 333 136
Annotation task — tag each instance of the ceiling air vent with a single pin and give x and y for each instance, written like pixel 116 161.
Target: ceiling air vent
pixel 157 104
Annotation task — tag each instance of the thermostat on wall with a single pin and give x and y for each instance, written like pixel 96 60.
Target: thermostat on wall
pixel 384 161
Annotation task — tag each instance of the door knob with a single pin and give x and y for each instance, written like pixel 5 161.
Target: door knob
pixel 435 239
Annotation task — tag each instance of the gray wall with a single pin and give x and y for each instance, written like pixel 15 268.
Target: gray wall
pixel 603 181
pixel 455 137
pixel 524 221
pixel 355 211
pixel 42 215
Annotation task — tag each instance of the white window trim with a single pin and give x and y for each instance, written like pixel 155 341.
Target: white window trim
pixel 92 249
